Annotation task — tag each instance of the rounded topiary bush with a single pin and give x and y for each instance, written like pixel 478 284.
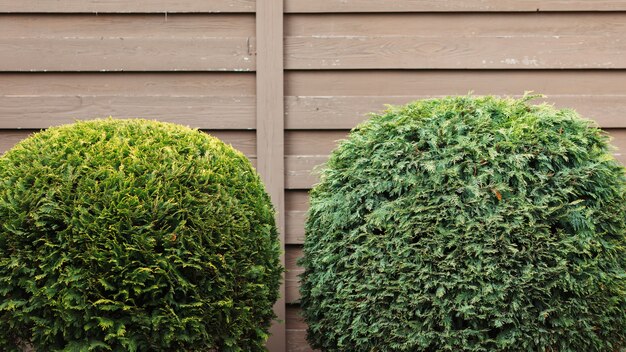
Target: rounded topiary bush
pixel 468 224
pixel 134 235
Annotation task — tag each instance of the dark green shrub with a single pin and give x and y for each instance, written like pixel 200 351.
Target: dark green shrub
pixel 468 224
pixel 134 235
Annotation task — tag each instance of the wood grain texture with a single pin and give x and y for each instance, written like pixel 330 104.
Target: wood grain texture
pixel 302 171
pixel 296 330
pixel 294 317
pixel 294 226
pixel 292 281
pixel 243 141
pixel 201 100
pixel 127 43
pixel 270 133
pixel 129 84
pixel 124 6
pixel 455 41
pixel 340 112
pixel 466 25
pixel 296 206
pixel 296 341
pixel 322 6
pixel 445 82
pixel 312 142
pixel 342 99
pixel 202 112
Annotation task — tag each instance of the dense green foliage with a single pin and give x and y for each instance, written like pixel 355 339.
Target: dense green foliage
pixel 134 235
pixel 468 224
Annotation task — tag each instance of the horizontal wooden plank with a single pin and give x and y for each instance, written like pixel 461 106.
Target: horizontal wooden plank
pixel 454 82
pixel 201 112
pixel 128 84
pixel 323 6
pixel 124 6
pixel 459 41
pixel 312 142
pixel 296 341
pixel 294 319
pixel 244 141
pixel 296 330
pixel 294 226
pixel 341 99
pixel 292 281
pixel 465 25
pixel 126 26
pixel 301 171
pixel 453 53
pixel 202 100
pixel 296 206
pixel 207 54
pixel 127 43
pixel 345 112
pixel 296 200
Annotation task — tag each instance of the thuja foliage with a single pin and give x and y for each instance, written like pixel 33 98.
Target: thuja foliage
pixel 468 224
pixel 134 235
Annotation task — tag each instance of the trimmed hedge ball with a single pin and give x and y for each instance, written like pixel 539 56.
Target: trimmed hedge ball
pixel 134 235
pixel 468 224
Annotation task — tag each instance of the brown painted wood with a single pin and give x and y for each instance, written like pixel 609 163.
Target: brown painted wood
pixel 322 6
pixel 295 320
pixel 292 281
pixel 619 142
pixel 296 330
pixel 296 341
pixel 296 206
pixel 466 25
pixel 147 26
pixel 8 138
pixel 124 6
pixel 455 82
pixel 129 84
pixel 294 226
pixel 339 112
pixel 297 200
pixel 127 43
pixel 342 99
pixel 453 53
pixel 202 100
pixel 244 141
pixel 302 171
pixel 312 142
pixel 270 132
pixel 455 41
pixel 201 112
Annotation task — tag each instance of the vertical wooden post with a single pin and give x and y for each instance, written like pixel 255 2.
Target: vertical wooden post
pixel 270 131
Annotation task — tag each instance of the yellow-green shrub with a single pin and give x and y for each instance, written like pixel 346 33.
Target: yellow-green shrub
pixel 134 235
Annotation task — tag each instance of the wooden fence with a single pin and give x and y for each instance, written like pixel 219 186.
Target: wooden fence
pixel 283 82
